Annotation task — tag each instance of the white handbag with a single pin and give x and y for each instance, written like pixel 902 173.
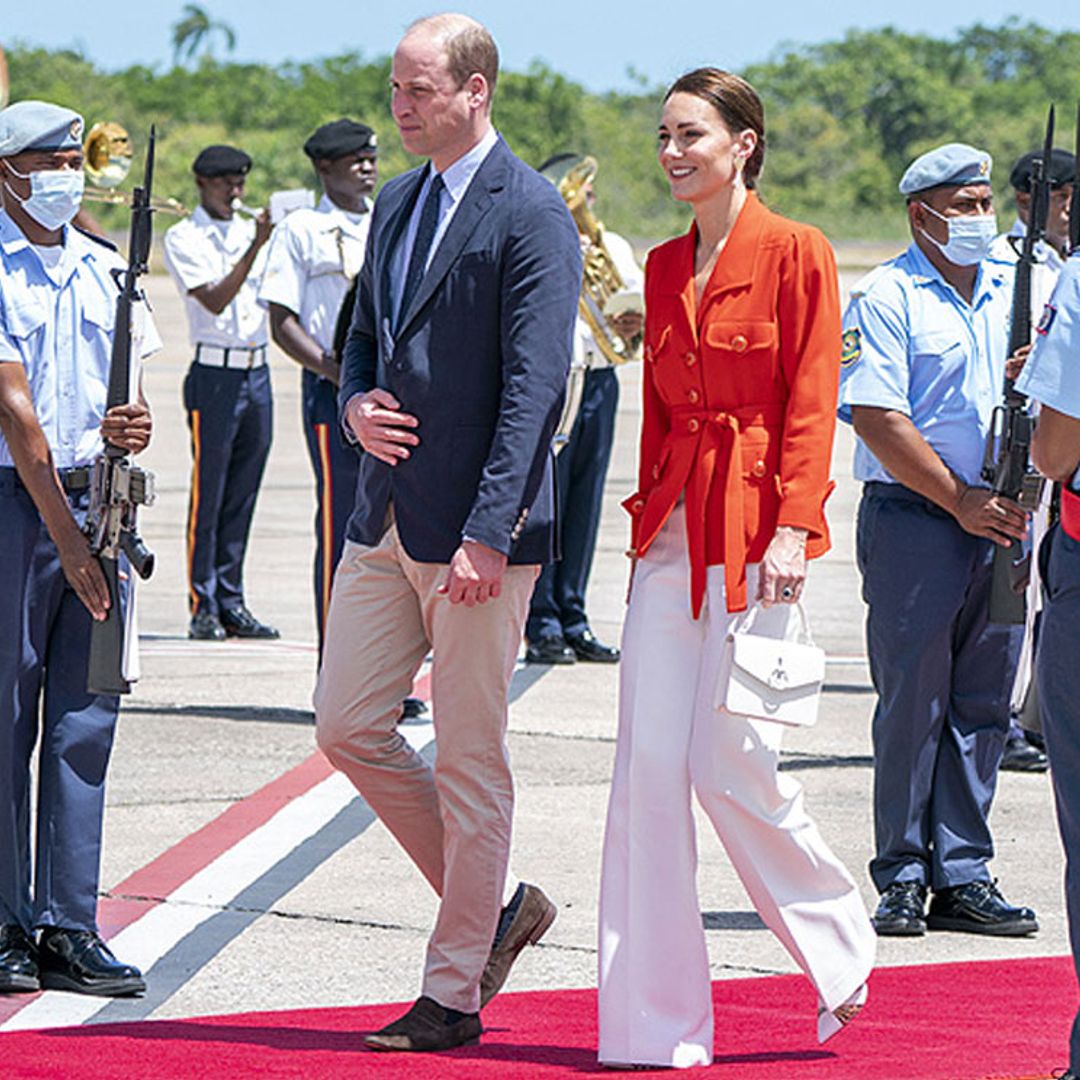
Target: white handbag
pixel 771 678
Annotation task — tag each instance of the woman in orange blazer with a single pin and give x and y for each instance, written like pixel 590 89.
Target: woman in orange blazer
pixel 740 382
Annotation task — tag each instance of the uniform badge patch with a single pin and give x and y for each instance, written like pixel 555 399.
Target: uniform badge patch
pixel 1047 319
pixel 850 347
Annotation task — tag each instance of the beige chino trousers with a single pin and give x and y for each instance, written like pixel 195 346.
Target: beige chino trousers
pixel 454 819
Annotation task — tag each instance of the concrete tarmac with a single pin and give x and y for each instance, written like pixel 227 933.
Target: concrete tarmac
pixel 209 724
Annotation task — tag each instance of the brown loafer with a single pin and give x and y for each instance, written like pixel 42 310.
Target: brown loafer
pixel 524 921
pixel 426 1027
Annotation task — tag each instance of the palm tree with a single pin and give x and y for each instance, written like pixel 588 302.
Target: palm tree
pixel 195 30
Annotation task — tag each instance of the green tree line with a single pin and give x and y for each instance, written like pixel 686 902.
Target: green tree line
pixel 843 118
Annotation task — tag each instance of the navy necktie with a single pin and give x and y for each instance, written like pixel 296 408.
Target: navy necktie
pixel 425 234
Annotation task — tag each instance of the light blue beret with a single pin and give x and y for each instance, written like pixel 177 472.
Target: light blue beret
pixel 39 125
pixel 955 164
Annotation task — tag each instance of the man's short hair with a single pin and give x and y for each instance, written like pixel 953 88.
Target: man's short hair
pixel 470 48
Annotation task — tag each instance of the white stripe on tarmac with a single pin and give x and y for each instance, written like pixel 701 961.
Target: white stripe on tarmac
pixel 202 896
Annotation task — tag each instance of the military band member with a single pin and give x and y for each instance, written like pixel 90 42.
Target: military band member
pixel 215 258
pixel 558 629
pixel 1024 748
pixel 1052 378
pixel 312 259
pixel 922 368
pixel 57 313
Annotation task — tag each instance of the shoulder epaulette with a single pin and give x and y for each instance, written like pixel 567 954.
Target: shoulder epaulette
pixel 866 282
pixel 103 241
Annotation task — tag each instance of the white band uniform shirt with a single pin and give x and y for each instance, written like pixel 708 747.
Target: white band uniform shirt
pixel 58 323
pixel 1048 265
pixel 201 250
pixel 311 260
pixel 913 344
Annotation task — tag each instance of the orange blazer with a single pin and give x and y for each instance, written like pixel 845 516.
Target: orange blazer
pixel 739 396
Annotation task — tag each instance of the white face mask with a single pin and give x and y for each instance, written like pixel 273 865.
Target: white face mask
pixel 55 195
pixel 970 237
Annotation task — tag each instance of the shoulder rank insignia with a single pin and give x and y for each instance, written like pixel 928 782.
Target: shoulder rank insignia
pixel 850 347
pixel 1047 319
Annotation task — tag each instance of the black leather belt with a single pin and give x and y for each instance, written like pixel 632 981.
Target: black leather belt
pixel 72 480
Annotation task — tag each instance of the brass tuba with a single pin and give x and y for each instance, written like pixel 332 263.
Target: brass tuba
pixel 107 160
pixel 601 279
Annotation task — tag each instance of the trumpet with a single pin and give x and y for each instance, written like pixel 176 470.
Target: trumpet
pixel 107 158
pixel 241 207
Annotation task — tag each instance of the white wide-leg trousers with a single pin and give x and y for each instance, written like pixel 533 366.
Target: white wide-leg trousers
pixel 655 1004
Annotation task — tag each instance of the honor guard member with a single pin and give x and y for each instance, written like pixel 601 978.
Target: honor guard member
pixel 557 629
pixel 1023 748
pixel 215 258
pixel 57 312
pixel 923 360
pixel 1051 377
pixel 312 260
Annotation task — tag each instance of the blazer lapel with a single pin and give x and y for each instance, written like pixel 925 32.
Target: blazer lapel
pixel 678 282
pixel 475 203
pixel 735 267
pixel 397 217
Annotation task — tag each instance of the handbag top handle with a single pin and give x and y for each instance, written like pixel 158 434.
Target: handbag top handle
pixel 745 624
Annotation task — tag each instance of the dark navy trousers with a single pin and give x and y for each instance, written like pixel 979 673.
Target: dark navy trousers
pixel 44 650
pixel 558 601
pixel 943 673
pixel 336 467
pixel 230 417
pixel 1057 670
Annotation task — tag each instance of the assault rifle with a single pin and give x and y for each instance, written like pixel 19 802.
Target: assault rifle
pixel 1006 463
pixel 118 487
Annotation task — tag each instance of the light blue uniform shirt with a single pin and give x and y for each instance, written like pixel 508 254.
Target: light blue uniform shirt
pixel 1051 375
pixel 58 323
pixel 913 344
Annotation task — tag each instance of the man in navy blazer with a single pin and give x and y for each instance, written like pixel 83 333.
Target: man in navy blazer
pixel 452 383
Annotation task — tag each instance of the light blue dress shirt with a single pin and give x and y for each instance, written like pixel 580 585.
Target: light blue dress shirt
pixel 456 180
pixel 58 323
pixel 912 343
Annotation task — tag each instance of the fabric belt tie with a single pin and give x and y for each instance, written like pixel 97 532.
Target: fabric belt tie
pixel 719 435
pixel 1070 513
pixel 230 356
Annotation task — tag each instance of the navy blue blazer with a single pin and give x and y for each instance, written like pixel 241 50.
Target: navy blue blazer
pixel 480 358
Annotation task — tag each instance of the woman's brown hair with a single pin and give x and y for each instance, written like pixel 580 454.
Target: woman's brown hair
pixel 737 103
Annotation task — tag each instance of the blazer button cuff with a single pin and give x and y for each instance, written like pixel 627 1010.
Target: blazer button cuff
pixel 694 424
pixel 739 343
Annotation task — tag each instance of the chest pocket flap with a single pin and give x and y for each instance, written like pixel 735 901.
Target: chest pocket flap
pixel 98 306
pixel 741 336
pixel 22 316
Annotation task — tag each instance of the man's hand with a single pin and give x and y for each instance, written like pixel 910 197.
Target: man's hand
pixel 128 427
pixel 783 567
pixel 475 574
pixel 982 513
pixel 263 228
pixel 1015 364
pixel 381 429
pixel 84 574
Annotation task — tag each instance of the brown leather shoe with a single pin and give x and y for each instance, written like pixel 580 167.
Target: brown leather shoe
pixel 524 921
pixel 425 1027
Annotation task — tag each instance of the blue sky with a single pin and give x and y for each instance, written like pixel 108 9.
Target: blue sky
pixel 594 43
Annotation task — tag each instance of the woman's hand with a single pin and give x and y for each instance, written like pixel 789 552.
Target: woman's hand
pixel 783 568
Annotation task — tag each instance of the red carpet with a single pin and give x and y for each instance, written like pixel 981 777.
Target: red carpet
pixel 975 1021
